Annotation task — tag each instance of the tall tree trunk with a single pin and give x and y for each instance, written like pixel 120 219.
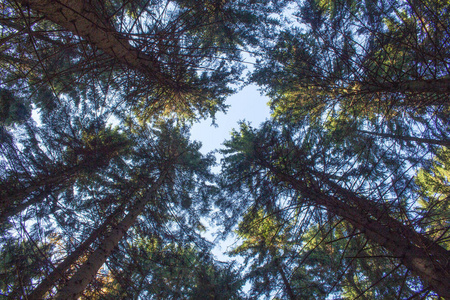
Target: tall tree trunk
pixel 380 212
pixel 13 201
pixel 408 138
pixel 424 86
pixel 59 177
pixel 419 254
pixel 61 270
pixel 81 18
pixel 86 273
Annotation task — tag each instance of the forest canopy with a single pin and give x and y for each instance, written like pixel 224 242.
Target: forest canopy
pixel 343 193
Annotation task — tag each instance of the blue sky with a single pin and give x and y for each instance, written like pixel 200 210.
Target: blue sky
pixel 247 104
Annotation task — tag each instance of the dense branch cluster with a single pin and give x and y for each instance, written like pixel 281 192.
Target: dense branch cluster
pixel 343 194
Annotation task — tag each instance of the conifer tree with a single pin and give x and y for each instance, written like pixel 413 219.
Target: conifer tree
pixel 273 156
pixel 342 194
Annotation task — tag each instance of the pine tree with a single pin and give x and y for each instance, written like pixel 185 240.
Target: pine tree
pixel 265 239
pixel 161 57
pixel 166 187
pixel 273 156
pixel 343 194
pixel 64 155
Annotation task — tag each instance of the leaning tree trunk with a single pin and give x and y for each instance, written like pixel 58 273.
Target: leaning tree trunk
pixel 39 187
pixel 81 18
pixel 408 138
pixel 61 270
pixel 86 273
pixel 60 176
pixel 419 254
pixel 13 201
pixel 415 93
pixel 422 86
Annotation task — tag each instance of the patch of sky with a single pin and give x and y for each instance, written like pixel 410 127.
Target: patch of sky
pixel 247 105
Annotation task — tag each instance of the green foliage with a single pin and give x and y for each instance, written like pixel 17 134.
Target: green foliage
pixel 282 174
pixel 159 270
pixel 264 242
pixel 12 109
pixel 259 233
pixel 359 95
pixel 20 264
pixel 434 188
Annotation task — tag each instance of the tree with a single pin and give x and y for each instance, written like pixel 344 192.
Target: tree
pixel 155 269
pixel 273 156
pixel 85 274
pixel 82 152
pixel 361 54
pixel 61 270
pixel 161 57
pixel 378 67
pixel 167 180
pixel 433 185
pixel 266 240
pixel 359 94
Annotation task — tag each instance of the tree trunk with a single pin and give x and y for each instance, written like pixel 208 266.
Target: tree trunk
pixel 408 138
pixel 380 212
pixel 86 273
pixel 423 86
pixel 13 202
pixel 42 185
pixel 60 178
pixel 81 18
pixel 61 270
pixel 419 254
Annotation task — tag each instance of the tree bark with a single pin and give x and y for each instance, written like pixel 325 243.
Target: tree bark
pixel 419 254
pixel 60 178
pixel 81 18
pixel 408 138
pixel 55 179
pixel 62 268
pixel 423 86
pixel 13 202
pixel 86 273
